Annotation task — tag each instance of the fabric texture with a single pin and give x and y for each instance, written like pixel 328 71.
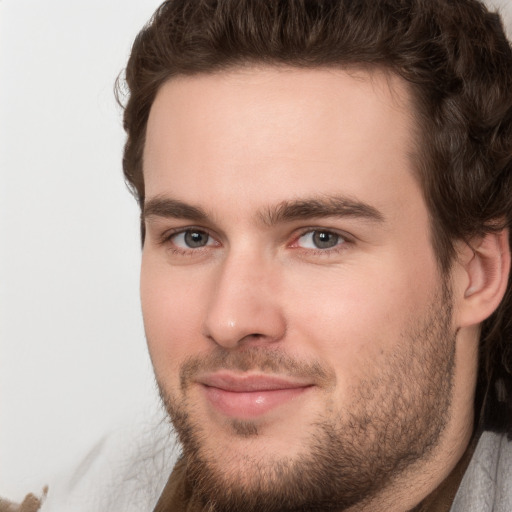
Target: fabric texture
pixel 129 471
pixel 487 483
pixel 125 472
pixel 178 495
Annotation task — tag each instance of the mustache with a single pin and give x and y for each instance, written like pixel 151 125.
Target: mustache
pixel 260 359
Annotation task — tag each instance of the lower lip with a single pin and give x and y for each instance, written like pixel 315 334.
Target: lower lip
pixel 246 405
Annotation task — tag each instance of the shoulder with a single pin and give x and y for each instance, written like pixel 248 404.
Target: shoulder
pixel 487 483
pixel 126 470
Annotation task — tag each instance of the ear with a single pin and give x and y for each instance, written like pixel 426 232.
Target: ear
pixel 481 277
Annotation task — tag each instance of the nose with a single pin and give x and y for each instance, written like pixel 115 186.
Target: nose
pixel 244 306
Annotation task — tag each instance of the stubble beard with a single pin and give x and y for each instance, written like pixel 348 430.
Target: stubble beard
pixel 396 419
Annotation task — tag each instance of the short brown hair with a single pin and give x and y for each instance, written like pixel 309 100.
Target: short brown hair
pixel 458 62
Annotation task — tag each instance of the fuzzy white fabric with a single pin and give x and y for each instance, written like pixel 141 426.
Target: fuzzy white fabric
pixel 487 483
pixel 125 472
pixel 128 469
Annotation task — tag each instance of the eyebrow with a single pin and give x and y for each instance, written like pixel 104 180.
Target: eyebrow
pixel 326 206
pixel 285 211
pixel 173 208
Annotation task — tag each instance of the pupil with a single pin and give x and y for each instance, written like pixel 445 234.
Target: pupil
pixel 195 239
pixel 324 239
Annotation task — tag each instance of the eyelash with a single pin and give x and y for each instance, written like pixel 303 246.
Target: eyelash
pixel 166 239
pixel 345 240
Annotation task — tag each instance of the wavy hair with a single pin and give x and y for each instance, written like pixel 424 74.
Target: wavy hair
pixel 458 62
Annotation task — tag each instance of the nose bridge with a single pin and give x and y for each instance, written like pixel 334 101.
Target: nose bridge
pixel 244 304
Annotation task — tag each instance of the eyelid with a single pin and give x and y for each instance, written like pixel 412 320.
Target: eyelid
pixel 347 239
pixel 166 236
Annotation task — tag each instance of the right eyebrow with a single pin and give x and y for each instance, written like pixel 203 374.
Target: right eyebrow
pixel 172 208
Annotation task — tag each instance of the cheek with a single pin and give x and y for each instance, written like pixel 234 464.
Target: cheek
pixel 353 319
pixel 172 312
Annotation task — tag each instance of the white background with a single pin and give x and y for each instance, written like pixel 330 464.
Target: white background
pixel 73 360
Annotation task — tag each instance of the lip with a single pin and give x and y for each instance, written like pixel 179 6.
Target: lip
pixel 250 396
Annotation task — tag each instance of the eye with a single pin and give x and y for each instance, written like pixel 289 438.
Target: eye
pixel 192 239
pixel 320 239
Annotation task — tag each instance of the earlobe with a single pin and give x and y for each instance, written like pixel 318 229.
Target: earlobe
pixel 485 268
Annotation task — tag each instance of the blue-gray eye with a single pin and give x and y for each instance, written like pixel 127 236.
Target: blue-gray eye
pixel 192 239
pixel 320 239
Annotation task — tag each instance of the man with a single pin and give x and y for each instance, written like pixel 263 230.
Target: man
pixel 326 193
pixel 326 199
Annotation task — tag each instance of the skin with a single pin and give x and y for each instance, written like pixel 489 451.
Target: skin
pixel 238 146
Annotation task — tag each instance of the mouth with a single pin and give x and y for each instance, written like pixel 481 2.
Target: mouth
pixel 248 396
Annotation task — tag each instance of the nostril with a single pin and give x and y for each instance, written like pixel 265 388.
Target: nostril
pixel 241 314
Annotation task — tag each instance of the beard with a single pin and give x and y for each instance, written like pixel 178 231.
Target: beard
pixel 351 452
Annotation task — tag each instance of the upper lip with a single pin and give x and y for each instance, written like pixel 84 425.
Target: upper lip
pixel 247 383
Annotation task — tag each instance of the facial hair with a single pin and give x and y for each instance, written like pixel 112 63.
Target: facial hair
pixel 396 418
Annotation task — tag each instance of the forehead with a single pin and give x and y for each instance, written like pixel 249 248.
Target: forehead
pixel 258 134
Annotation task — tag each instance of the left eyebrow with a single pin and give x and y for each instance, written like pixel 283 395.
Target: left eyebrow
pixel 330 206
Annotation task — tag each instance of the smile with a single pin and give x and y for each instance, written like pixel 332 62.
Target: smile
pixel 249 396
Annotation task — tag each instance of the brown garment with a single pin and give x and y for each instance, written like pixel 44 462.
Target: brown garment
pixel 178 496
pixel 441 499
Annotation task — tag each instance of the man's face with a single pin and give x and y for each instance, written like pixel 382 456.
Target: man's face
pixel 297 322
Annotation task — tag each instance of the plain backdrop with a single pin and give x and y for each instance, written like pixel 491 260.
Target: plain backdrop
pixel 73 361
